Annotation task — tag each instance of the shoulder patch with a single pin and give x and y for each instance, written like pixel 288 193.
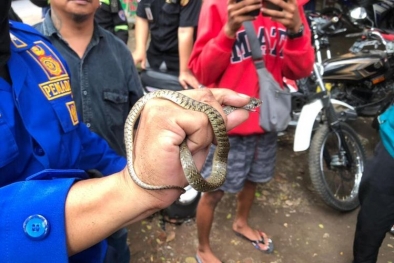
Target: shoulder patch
pixel 73 112
pixel 18 43
pixel 122 15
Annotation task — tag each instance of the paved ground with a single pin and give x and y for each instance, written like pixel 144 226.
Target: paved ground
pixel 303 228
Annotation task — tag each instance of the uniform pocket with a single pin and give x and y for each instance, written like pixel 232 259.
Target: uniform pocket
pixel 115 97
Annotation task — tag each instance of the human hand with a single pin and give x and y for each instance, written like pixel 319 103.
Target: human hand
pixel 140 57
pixel 237 14
pixel 289 16
pixel 164 125
pixel 186 78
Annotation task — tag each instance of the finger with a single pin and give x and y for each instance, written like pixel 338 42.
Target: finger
pixel 225 97
pixel 183 83
pixel 229 97
pixel 143 64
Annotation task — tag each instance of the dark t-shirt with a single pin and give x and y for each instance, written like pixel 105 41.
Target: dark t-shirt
pixel 167 18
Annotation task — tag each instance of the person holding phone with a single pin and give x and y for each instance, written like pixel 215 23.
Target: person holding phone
pixel 221 57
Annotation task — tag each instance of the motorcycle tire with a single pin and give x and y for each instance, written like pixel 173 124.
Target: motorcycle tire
pixel 336 184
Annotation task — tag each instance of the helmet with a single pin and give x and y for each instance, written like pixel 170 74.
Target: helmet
pixel 184 208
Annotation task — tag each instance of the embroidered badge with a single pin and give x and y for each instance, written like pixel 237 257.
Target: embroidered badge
pixel 39 51
pixel 122 15
pixel 73 112
pixel 51 65
pixel 56 88
pixel 48 60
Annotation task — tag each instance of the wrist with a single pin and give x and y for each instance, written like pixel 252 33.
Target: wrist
pixel 296 32
pixel 228 32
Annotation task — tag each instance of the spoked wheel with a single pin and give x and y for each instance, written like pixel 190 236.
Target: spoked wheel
pixel 335 173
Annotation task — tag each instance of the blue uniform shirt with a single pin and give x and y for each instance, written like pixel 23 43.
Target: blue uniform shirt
pixel 43 150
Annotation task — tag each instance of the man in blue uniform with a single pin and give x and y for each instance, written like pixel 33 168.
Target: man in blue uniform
pixel 50 211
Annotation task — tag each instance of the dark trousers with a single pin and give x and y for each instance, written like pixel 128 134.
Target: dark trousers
pixel 376 215
pixel 118 249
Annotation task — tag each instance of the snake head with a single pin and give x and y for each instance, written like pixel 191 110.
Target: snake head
pixel 253 104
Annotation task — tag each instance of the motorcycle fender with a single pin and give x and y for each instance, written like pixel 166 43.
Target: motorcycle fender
pixel 309 112
pixel 302 137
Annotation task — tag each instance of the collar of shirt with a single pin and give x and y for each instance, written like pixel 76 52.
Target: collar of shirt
pixel 49 29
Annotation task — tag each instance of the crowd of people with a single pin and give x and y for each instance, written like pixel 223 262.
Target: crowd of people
pixel 68 84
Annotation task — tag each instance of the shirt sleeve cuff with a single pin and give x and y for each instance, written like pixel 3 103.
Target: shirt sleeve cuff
pixel 33 219
pixel 297 43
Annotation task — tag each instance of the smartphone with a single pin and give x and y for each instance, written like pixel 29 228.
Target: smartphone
pixel 270 5
pixel 253 13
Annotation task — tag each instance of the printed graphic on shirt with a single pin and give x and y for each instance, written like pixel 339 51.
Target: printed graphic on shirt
pixel 17 42
pixel 73 112
pixel 271 42
pixel 56 88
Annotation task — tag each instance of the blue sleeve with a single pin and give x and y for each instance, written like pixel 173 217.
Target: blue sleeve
pixel 33 213
pixel 96 153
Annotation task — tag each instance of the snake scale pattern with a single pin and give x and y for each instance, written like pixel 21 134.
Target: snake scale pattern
pixel 219 167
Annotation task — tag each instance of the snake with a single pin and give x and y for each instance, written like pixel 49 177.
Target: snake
pixel 194 178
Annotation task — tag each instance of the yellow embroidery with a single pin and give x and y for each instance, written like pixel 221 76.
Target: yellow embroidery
pixel 51 65
pixel 56 88
pixel 47 60
pixel 39 51
pixel 73 112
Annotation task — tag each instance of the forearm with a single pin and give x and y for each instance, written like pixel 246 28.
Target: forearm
pixel 141 33
pixel 185 46
pixel 96 208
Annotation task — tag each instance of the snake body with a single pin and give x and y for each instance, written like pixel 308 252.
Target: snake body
pixel 219 167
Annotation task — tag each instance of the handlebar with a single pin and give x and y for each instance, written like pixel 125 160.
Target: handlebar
pixel 321 25
pixel 332 21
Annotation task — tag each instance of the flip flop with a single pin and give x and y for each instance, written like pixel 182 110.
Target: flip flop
pixel 256 243
pixel 198 259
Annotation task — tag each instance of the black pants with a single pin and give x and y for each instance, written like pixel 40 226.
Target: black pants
pixel 376 215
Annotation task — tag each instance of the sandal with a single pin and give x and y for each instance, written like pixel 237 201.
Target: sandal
pixel 256 243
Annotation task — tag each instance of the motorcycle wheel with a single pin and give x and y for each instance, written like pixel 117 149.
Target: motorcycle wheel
pixel 336 184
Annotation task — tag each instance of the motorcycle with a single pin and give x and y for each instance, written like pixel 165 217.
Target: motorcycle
pixel 364 77
pixel 380 13
pixel 336 154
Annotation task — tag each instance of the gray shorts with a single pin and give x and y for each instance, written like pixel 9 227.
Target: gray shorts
pixel 250 158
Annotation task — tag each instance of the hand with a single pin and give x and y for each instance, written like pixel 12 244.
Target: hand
pixel 186 78
pixel 140 57
pixel 289 16
pixel 237 14
pixel 164 125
